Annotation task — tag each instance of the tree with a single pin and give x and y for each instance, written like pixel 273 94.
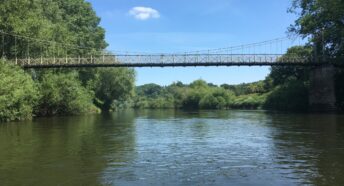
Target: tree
pixel 292 96
pixel 199 84
pixel 192 99
pixel 198 89
pixel 210 102
pixel 18 93
pixel 112 84
pixel 290 83
pixel 59 28
pixel 83 25
pixel 24 17
pixel 63 94
pixel 178 84
pixel 217 99
pixel 149 90
pixel 322 20
pixel 283 74
pixel 51 27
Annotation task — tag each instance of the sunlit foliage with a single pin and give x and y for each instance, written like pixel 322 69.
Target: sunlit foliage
pixel 18 93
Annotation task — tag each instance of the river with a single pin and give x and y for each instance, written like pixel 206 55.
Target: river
pixel 174 148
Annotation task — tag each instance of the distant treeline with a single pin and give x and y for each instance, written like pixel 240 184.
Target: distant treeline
pixel 197 95
pixel 285 88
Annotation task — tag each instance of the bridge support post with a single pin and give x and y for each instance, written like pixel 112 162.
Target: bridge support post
pixel 322 97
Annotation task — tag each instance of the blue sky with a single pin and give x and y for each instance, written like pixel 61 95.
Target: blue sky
pixel 188 25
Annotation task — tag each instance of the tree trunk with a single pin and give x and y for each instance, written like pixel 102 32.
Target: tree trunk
pixel 106 107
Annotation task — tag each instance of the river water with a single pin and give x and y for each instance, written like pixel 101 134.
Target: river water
pixel 174 148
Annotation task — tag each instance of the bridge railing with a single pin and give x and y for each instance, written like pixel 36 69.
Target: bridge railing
pixel 161 59
pixel 197 58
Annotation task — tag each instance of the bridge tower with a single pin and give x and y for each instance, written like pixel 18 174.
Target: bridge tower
pixel 322 95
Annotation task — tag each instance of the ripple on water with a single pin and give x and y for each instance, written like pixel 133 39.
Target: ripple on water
pixel 175 148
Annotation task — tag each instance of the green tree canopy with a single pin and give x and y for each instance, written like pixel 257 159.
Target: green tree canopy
pixel 57 28
pixel 149 90
pixel 283 74
pixel 18 93
pixel 50 27
pixel 63 94
pixel 323 21
pixel 113 84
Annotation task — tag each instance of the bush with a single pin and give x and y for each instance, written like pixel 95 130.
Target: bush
pixel 217 99
pixel 18 93
pixel 63 94
pixel 192 99
pixel 112 84
pixel 251 101
pixel 292 96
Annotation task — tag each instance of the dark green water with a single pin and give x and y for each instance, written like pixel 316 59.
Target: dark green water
pixel 174 148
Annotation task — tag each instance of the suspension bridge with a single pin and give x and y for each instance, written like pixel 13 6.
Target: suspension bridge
pixel 29 52
pixel 34 53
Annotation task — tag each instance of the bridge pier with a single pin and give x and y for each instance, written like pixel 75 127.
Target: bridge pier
pixel 322 97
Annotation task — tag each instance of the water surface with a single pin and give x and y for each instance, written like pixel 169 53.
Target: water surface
pixel 174 148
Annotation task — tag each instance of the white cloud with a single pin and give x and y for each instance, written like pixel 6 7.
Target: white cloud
pixel 144 13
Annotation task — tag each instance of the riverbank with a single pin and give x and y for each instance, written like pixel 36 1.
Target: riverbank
pixel 35 93
pixel 290 96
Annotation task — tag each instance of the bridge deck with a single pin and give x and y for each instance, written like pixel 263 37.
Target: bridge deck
pixel 168 60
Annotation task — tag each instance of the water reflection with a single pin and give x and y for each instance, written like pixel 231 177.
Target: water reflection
pixel 309 148
pixel 60 151
pixel 171 147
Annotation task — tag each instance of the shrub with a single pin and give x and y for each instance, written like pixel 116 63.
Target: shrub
pixel 18 93
pixel 63 94
pixel 290 96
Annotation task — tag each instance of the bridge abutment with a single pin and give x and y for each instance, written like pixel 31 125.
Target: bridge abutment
pixel 322 97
